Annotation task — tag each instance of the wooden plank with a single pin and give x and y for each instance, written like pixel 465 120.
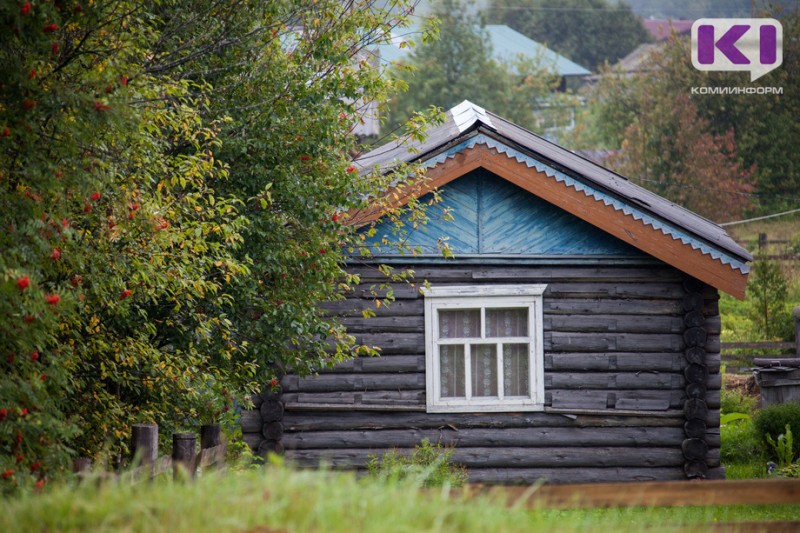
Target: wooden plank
pixel 508 437
pixel 349 420
pixel 548 457
pixel 671 494
pixel 626 228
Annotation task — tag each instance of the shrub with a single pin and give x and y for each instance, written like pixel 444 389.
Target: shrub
pixel 429 465
pixel 772 421
pixel 733 401
pixel 741 443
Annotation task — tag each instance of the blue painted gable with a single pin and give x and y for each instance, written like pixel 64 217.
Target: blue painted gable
pixel 492 216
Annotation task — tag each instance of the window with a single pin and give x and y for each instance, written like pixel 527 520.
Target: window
pixel 483 348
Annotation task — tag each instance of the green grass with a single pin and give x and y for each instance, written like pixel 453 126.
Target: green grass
pixel 279 499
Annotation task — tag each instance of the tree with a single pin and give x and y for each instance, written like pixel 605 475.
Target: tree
pixel 174 179
pixel 762 126
pixel 459 66
pixel 589 32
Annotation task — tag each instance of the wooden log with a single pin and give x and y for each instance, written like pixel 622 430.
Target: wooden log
pixel 344 421
pixel 613 380
pixel 253 439
pixel 579 306
pixel 696 374
pixel 694 319
pixel 378 397
pixel 273 431
pixel 552 273
pixel 266 447
pixel 614 323
pixel 691 284
pixel 695 429
pixel 271 410
pixel 144 445
pixel 357 307
pixel 383 363
pixel 250 420
pixel 640 290
pixel 623 342
pixel 650 400
pixel 695 337
pixel 388 324
pixel 507 437
pixel 183 453
pixel 618 361
pixel 696 391
pixel 695 409
pixel 394 343
pixel 695 469
pixel 510 457
pixel 558 476
pixel 696 355
pixel 352 382
pixel 210 436
pixel 693 301
pixel 694 449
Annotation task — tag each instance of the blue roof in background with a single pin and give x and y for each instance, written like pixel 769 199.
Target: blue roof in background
pixel 506 43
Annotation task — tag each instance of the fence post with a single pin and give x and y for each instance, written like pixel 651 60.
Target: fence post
pixel 183 453
pixel 762 243
pixel 145 443
pixel 210 436
pixel 796 316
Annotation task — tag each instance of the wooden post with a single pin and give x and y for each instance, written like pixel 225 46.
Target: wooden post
pixel 145 443
pixel 183 452
pixel 796 315
pixel 762 243
pixel 210 436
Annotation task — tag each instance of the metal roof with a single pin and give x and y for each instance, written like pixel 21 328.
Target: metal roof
pixel 468 123
pixel 506 43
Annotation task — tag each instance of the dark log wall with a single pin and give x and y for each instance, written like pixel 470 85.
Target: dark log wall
pixel 631 381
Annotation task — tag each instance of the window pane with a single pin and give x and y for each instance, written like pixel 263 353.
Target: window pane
pixel 507 322
pixel 515 370
pixel 451 370
pixel 484 369
pixel 459 324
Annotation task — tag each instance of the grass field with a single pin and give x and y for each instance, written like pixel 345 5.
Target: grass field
pixel 279 499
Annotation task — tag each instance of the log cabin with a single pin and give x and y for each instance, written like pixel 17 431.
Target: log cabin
pixel 573 336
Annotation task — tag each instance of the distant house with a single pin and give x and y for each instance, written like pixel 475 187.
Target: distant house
pixel 507 45
pixel 660 29
pixel 574 337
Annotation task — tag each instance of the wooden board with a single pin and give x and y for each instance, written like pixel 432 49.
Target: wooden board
pixel 673 494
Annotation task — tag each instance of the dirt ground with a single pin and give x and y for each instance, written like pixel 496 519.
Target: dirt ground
pixel 743 383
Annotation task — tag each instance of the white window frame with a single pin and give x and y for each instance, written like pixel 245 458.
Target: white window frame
pixel 483 297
